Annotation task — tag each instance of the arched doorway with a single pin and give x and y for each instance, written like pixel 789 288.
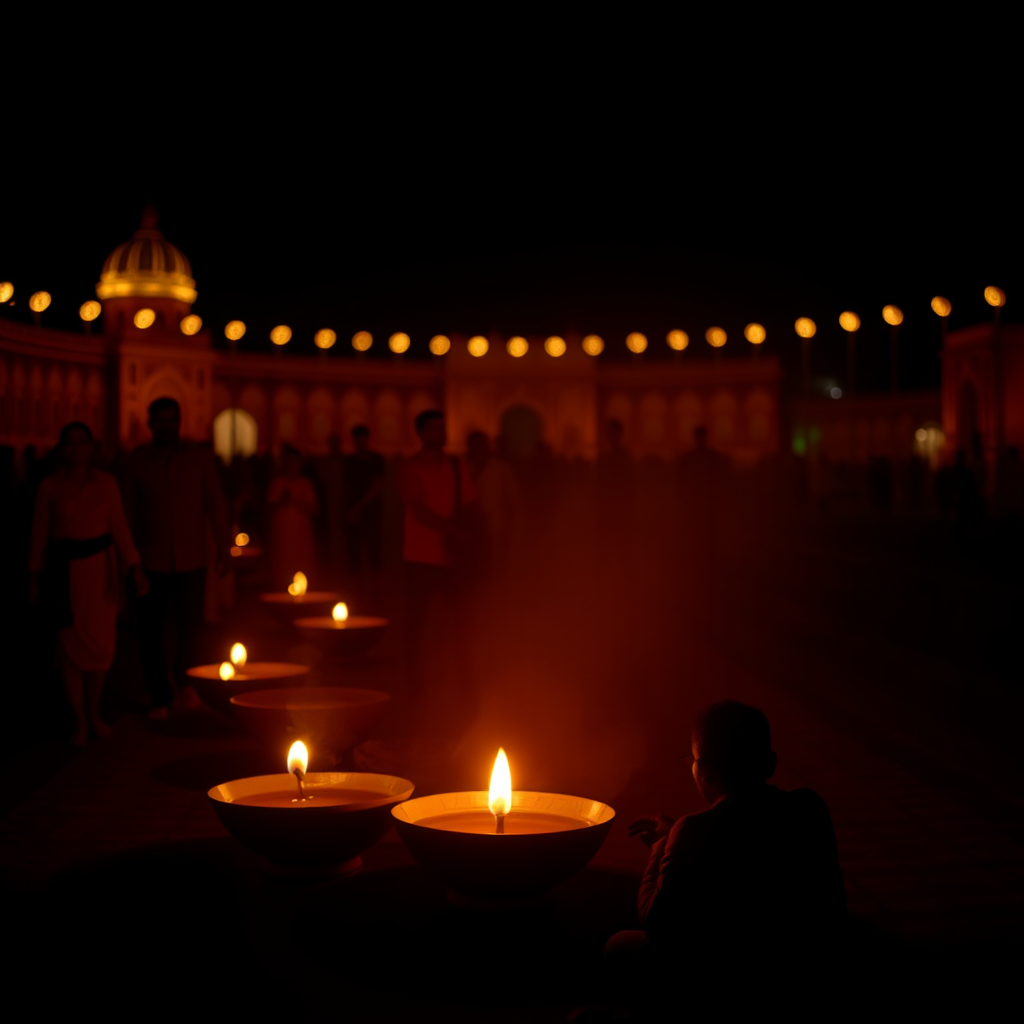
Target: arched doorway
pixel 234 433
pixel 521 430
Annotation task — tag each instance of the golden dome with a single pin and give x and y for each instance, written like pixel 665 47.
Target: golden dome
pixel 147 267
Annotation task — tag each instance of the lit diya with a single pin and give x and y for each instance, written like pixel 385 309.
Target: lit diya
pixel 349 634
pixel 217 684
pixel 244 552
pixel 298 599
pixel 502 843
pixel 309 825
pixel 333 719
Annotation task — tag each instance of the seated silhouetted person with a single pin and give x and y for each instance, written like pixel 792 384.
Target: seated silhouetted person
pixel 752 882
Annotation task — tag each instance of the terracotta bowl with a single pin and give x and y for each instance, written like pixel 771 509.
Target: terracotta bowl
pixel 287 608
pixel 330 720
pixel 503 866
pixel 257 675
pixel 310 842
pixel 355 636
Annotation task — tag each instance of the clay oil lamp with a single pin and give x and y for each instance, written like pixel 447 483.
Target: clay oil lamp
pixel 299 599
pixel 217 684
pixel 333 719
pixel 348 634
pixel 244 553
pixel 309 826
pixel 502 845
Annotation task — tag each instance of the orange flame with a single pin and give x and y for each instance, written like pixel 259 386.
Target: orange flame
pixel 298 585
pixel 241 539
pixel 499 798
pixel 298 757
pixel 238 655
pixel 340 612
pixel 226 670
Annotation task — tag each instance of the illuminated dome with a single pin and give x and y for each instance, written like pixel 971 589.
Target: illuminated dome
pixel 147 267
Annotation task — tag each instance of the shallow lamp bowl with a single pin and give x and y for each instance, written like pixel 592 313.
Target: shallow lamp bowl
pixel 217 693
pixel 484 864
pixel 330 719
pixel 309 842
pixel 287 608
pixel 355 636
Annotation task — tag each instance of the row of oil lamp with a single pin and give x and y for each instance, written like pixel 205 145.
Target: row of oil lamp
pixel 478 345
pixel 315 825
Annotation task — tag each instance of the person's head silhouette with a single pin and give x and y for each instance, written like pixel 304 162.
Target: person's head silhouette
pixel 732 750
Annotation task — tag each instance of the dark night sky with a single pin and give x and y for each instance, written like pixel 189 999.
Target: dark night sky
pixel 496 197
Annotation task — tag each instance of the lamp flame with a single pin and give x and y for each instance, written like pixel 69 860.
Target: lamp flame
pixel 298 757
pixel 241 539
pixel 298 585
pixel 499 797
pixel 238 655
pixel 226 670
pixel 340 612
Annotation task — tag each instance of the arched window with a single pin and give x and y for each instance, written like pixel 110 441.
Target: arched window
pixel 234 433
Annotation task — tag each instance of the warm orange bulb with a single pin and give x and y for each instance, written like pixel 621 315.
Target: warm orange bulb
pixel 755 334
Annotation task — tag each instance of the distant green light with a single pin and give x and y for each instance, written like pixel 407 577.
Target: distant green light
pixel 799 444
